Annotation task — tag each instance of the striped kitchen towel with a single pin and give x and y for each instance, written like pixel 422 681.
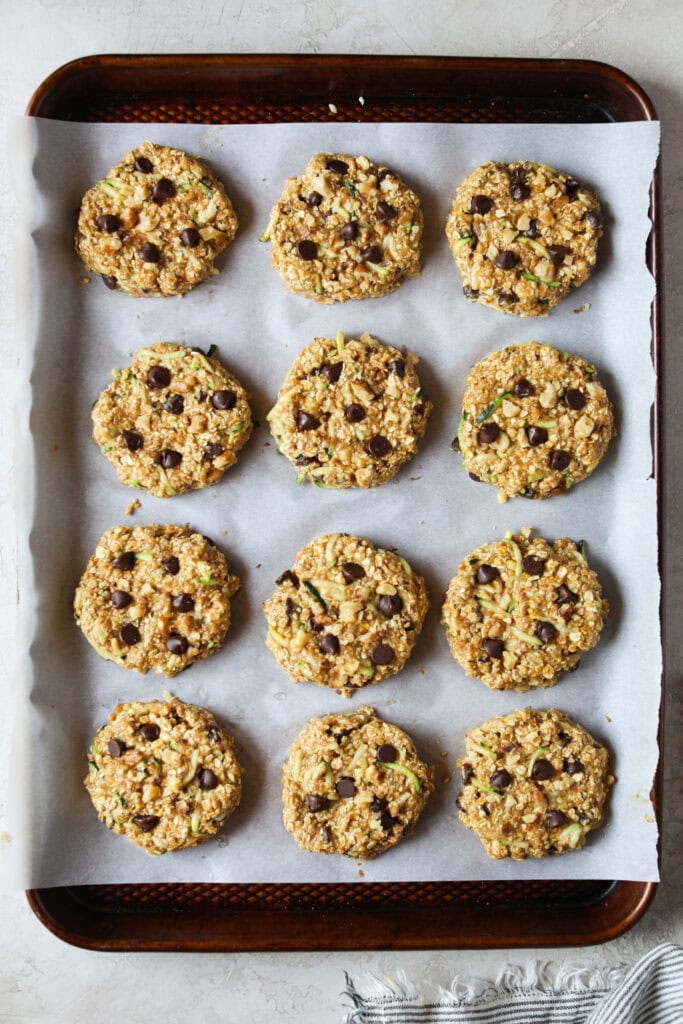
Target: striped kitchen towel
pixel 651 992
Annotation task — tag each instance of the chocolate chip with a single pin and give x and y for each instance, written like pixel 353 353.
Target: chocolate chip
pixel 500 779
pixel 574 399
pixel 384 212
pixel 455 444
pixel 175 404
pixel 387 752
pixel 536 436
pixel 542 770
pixel 473 476
pixel 290 608
pixel 390 605
pixel 108 223
pixel 506 260
pixel 158 377
pixel 143 165
pixel 467 773
pixel 354 413
pixel 382 654
pixel 593 218
pixel 555 819
pixel 470 293
pixel 385 173
pixel 557 254
pixel 488 433
pixel 545 631
pixel 338 166
pixel 519 191
pixel 176 643
pixel 287 577
pixel 572 766
pixel 507 298
pixel 121 598
pixel 373 254
pixel 564 738
pixel 304 421
pixel 480 204
pixel 201 396
pixel 527 492
pixel 378 446
pixel 571 187
pixel 169 459
pixel 313 198
pixel 316 803
pixel 523 388
pixel 532 231
pixel 190 238
pixel 346 787
pixel 533 566
pixel 146 822
pixel 378 804
pixel 109 281
pixel 182 603
pixel 149 731
pixel 163 190
pixel 207 779
pixel 387 821
pixel 148 253
pixel 349 231
pixel 397 366
pixel 332 371
pixel 212 450
pixel 129 634
pixel 487 573
pixel 314 625
pixel 307 249
pixel 327 833
pixel 171 565
pixel 494 647
pixel 565 596
pixel 116 747
pixel 352 571
pixel 131 440
pixel 329 644
pixel 559 460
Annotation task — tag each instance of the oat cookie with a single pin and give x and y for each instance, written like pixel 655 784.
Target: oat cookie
pixel 156 223
pixel 173 421
pixel 523 236
pixel 350 412
pixel 353 784
pixel 155 597
pixel 535 421
pixel 534 783
pixel 346 614
pixel 163 774
pixel 521 611
pixel 345 229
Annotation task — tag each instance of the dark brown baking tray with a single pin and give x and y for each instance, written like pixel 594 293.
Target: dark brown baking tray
pixel 232 89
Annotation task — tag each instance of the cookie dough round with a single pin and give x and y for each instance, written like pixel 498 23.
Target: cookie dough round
pixel 521 611
pixel 535 421
pixel 353 784
pixel 156 223
pixel 523 236
pixel 163 774
pixel 155 597
pixel 173 421
pixel 346 614
pixel 345 229
pixel 350 412
pixel 534 783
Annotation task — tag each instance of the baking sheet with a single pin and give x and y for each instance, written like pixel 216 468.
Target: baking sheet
pixel 68 495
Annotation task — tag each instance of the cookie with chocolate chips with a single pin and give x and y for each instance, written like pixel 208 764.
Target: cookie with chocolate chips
pixel 345 229
pixel 523 236
pixel 173 421
pixel 350 412
pixel 521 611
pixel 156 223
pixel 353 784
pixel 534 783
pixel 163 774
pixel 535 421
pixel 155 597
pixel 346 614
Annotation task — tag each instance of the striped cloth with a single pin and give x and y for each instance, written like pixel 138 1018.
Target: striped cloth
pixel 651 992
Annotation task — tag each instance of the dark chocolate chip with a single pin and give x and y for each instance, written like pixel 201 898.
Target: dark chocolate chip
pixel 304 421
pixel 149 253
pixel 214 734
pixel 542 770
pixel 129 634
pixel 109 281
pixel 488 433
pixel 329 644
pixel 316 803
pixel 473 476
pixel 487 573
pixel 523 388
pixel 349 231
pixel 378 446
pixel 131 440
pixel 500 779
pixel 121 598
pixel 149 731
pixel 480 204
pixel 532 231
pixel 176 643
pixel 536 436
pixel 182 603
pixel 467 773
pixel 201 396
pixel 390 605
pixel 519 191
pixel 169 459
pixel 338 166
pixel 171 565
pixel 287 577
pixel 557 254
pixel 143 165
pixel 212 450
pixel 190 238
pixel 559 460
pixel 163 190
pixel 574 399
pixel 397 366
pixel 175 404
pixel 352 571
pixel 564 738
pixel 373 254
pixel 533 566
pixel 307 249
pixel 385 173
pixel 207 779
pixel 571 187
pixel 545 631
pixel 314 625
pixel 455 444
pixel 565 596
pixel 332 371
pixel 385 212
pixel 494 647
pixel 593 218
pixel 507 298
pixel 354 413
pixel 346 787
pixel 327 833
pixel 572 766
pixel 116 747
pixel 223 400
pixel 387 752
pixel 382 654
pixel 290 608
pixel 555 819
pixel 158 377
pixel 470 293
pixel 108 223
pixel 387 821
pixel 378 804
pixel 313 199
pixel 146 822
pixel 506 260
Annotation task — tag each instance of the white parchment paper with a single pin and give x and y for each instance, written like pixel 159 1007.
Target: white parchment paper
pixel 68 495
